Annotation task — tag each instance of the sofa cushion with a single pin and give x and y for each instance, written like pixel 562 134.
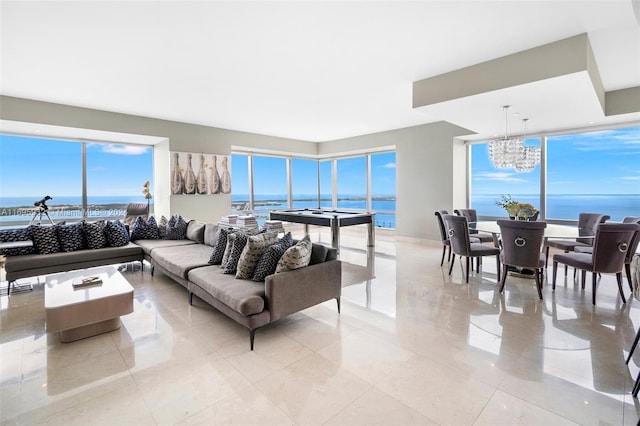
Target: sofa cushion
pixel 145 229
pixel 149 245
pixel 71 237
pixel 219 247
pixel 253 249
pixel 296 257
pixel 116 233
pixel 15 235
pixel 318 254
pixel 162 226
pixel 179 260
pixel 269 260
pixel 94 234
pixel 210 234
pixel 195 231
pixel 243 296
pixel 176 228
pixel 45 239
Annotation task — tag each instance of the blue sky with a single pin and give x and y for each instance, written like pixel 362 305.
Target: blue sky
pixel 35 167
pixel 603 162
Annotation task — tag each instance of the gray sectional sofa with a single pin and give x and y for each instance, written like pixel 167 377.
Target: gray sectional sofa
pixel 250 303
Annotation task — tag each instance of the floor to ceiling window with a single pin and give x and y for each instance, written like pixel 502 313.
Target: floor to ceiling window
pixel 304 183
pixel 269 184
pixel 352 183
pixel 383 188
pixel 240 177
pixel 592 171
pixel 32 168
pixel 326 187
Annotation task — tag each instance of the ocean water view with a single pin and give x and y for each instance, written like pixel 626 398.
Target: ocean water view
pixel 565 206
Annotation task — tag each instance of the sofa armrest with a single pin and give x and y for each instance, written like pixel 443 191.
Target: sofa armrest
pixel 293 291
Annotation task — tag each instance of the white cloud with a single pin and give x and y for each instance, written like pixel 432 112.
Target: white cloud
pixel 630 177
pixel 498 176
pixel 390 166
pixel 125 149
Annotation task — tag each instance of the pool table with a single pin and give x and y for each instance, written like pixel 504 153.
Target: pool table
pixel 335 219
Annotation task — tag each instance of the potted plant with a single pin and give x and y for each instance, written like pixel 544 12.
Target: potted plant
pixel 509 204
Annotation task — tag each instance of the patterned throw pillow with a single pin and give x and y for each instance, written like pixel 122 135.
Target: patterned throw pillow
pixel 116 233
pixel 176 228
pixel 238 240
pixel 145 229
pixel 269 260
pixel 70 237
pixel 256 245
pixel 15 235
pixel 219 247
pixel 162 226
pixel 94 233
pixel 296 257
pixel 45 239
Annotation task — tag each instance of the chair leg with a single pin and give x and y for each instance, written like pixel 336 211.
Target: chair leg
pixel 633 347
pixel 593 286
pixel 619 279
pixel 627 268
pixel 636 387
pixel 467 271
pixel 584 277
pixel 539 282
pixel 449 255
pixel 555 272
pixel 498 268
pixel 504 277
pixel 546 260
pixel 444 251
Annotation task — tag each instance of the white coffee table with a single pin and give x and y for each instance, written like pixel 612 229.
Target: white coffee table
pixel 77 313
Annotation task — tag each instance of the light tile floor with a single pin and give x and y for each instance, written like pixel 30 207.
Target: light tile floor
pixel 411 346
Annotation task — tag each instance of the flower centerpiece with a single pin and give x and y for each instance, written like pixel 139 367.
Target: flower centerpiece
pixel 516 210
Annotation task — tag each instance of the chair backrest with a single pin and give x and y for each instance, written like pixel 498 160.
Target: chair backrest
pixel 470 214
pixel 134 210
pixel 634 241
pixel 610 247
pixel 589 222
pixel 458 232
pixel 443 232
pixel 521 242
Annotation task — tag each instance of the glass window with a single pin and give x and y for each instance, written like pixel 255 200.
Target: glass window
pixel 269 184
pixel 32 168
pixel 326 188
pixel 304 183
pixel 352 183
pixel 383 188
pixel 489 183
pixel 594 172
pixel 240 179
pixel 115 177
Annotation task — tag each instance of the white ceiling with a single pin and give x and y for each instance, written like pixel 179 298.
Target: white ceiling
pixel 309 70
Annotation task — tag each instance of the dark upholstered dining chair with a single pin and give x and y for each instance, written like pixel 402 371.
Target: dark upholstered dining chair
pixel 522 247
pixel 458 231
pixel 628 258
pixel 610 247
pixel 443 235
pixel 587 221
pixel 472 216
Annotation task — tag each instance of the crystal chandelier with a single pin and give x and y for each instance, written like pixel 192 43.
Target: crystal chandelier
pixel 510 152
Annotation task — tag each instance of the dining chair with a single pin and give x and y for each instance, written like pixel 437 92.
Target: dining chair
pixel 443 235
pixel 472 216
pixel 610 246
pixel 628 258
pixel 586 221
pixel 458 231
pixel 521 248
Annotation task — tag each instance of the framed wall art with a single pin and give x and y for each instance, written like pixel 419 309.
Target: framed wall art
pixel 200 174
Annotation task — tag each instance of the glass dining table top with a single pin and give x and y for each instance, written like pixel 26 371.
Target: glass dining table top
pixel 551 231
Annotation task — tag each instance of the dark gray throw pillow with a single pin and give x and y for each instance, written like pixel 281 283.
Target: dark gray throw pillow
pixel 45 239
pixel 145 229
pixel 219 247
pixel 71 237
pixel 176 228
pixel 94 234
pixel 116 234
pixel 15 235
pixel 239 240
pixel 269 260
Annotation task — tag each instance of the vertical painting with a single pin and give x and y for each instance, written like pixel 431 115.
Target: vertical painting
pixel 200 174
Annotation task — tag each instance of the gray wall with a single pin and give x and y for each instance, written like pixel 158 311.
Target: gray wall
pixel 430 162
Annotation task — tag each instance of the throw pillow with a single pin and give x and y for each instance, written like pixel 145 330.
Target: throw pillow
pixel 210 234
pixel 176 228
pixel 296 257
pixel 145 229
pixel 162 226
pixel 116 234
pixel 94 233
pixel 15 235
pixel 227 249
pixel 269 260
pixel 256 245
pixel 219 247
pixel 45 239
pixel 195 231
pixel 238 241
pixel 70 237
